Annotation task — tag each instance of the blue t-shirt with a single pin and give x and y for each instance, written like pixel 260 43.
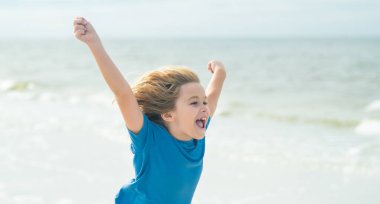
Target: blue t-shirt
pixel 167 170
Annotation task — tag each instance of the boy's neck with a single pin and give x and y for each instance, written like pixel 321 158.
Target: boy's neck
pixel 176 133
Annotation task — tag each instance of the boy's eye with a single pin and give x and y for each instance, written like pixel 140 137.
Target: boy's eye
pixel 196 103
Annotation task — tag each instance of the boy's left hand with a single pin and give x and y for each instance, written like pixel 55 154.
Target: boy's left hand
pixel 214 66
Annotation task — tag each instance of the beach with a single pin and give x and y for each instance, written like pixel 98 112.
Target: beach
pixel 298 120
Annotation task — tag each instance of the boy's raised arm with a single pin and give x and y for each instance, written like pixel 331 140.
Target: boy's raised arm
pixel 127 102
pixel 215 85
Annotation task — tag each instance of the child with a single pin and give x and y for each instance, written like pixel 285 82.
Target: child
pixel 167 113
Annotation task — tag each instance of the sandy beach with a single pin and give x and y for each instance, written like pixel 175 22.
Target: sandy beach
pixel 297 123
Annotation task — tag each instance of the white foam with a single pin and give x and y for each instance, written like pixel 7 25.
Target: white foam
pixel 74 99
pixel 4 197
pixel 65 201
pixel 374 106
pixel 368 127
pixel 6 85
pixel 40 143
pixel 31 199
pixel 101 99
pixel 47 97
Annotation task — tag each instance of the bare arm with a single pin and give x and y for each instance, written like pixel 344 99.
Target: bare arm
pixel 215 85
pixel 127 102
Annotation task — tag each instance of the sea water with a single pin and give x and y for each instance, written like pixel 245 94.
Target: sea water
pixel 298 120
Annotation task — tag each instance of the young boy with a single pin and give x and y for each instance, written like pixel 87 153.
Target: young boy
pixel 167 113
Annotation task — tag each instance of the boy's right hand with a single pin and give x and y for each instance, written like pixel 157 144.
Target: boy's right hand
pixel 84 31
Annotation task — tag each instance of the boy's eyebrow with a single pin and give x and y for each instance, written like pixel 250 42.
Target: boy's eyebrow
pixel 196 97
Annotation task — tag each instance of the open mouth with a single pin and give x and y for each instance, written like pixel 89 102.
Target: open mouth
pixel 201 123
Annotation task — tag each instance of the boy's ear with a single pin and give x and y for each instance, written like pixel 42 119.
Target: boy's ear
pixel 168 117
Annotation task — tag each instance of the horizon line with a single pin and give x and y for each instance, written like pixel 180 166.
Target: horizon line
pixel 2 38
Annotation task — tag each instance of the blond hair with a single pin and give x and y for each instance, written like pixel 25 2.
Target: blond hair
pixel 157 91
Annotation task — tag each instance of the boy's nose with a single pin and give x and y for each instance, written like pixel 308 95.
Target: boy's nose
pixel 204 109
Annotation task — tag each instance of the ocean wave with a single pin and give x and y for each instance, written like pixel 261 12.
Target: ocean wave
pixel 73 99
pixel 373 106
pixel 27 90
pixel 10 85
pixel 331 122
pixel 368 127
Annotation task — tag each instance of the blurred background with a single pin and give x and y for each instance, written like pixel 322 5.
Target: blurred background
pixel 298 120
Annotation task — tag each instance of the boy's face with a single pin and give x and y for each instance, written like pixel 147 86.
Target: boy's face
pixel 191 113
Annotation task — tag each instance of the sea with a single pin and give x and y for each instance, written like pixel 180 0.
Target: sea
pixel 298 120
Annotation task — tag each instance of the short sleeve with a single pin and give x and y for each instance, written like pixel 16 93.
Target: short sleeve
pixel 139 140
pixel 208 122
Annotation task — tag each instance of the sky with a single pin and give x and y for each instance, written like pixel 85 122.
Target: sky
pixel 195 18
